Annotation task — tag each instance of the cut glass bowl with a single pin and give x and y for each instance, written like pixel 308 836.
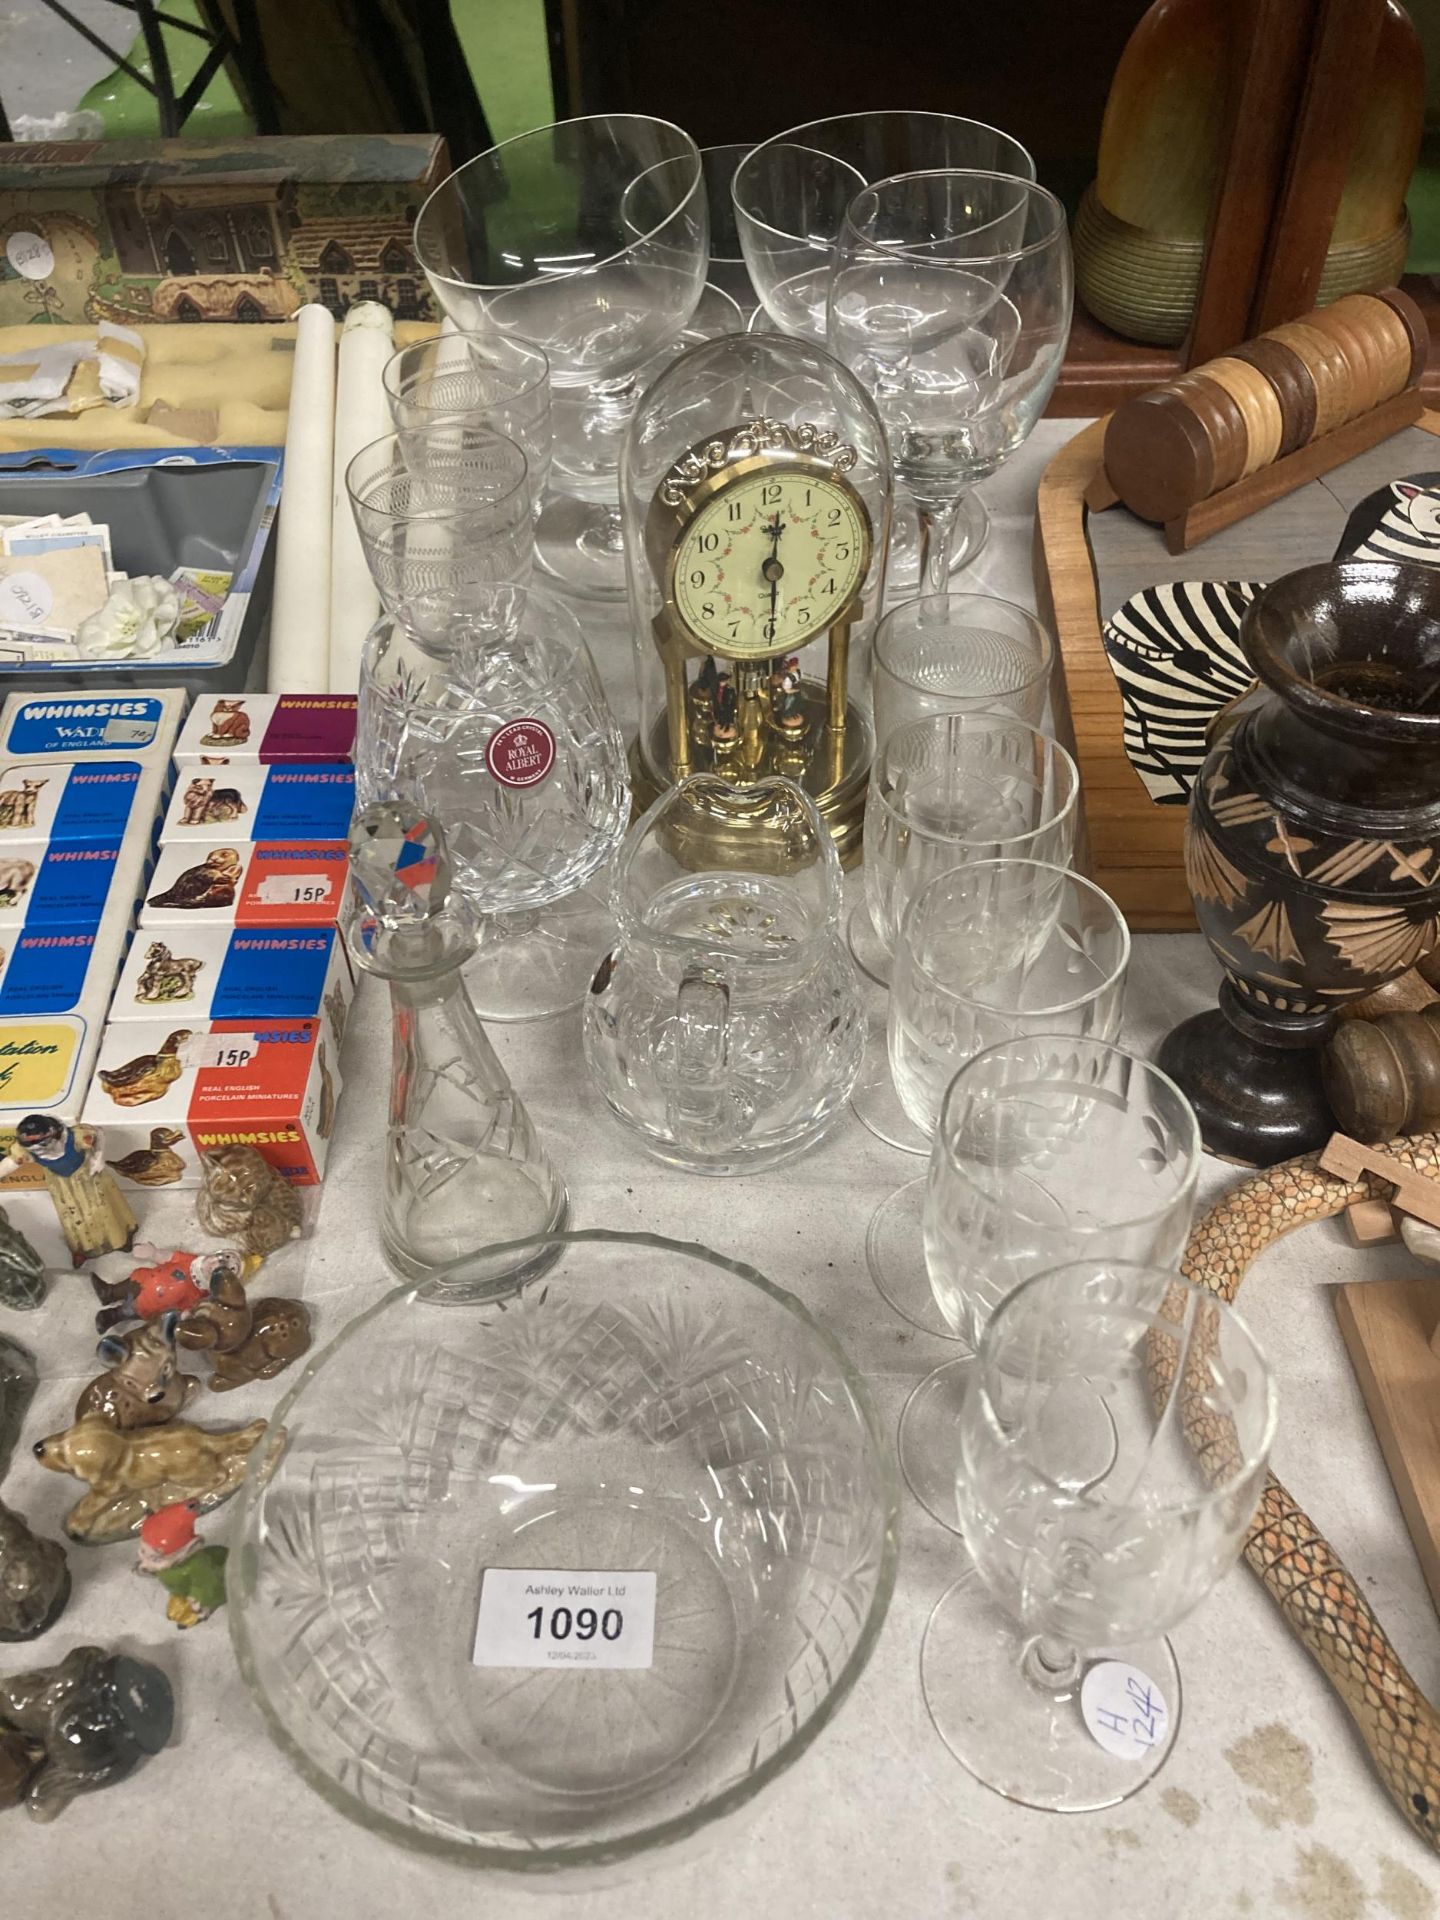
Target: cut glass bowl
pixel 645 1407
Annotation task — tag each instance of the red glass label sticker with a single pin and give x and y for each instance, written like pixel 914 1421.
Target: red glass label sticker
pixel 521 753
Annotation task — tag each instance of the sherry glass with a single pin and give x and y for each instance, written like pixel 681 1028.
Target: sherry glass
pixel 958 653
pixel 587 239
pixel 1050 1148
pixel 950 301
pixel 503 735
pixel 986 952
pixel 440 522
pixel 459 381
pixel 1045 1667
pixel 791 194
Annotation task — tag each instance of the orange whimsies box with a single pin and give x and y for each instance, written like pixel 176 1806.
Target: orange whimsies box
pixel 264 883
pixel 165 1091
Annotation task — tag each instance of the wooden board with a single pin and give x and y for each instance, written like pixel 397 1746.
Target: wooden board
pixel 1387 1326
pixel 1129 845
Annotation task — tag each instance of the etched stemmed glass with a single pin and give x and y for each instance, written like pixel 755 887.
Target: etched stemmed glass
pixel 791 194
pixel 986 952
pixel 1050 1148
pixel 949 299
pixel 589 240
pixel 440 520
pixel 501 732
pixel 443 390
pixel 1045 1667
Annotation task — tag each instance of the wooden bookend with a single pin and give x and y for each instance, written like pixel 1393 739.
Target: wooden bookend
pixel 1389 1328
pixel 1331 450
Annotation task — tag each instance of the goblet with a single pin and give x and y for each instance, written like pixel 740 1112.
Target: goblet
pixel 502 734
pixel 958 653
pixel 791 194
pixel 440 522
pixel 728 270
pixel 950 300
pixel 1050 1148
pixel 587 239
pixel 460 381
pixel 948 789
pixel 1045 1667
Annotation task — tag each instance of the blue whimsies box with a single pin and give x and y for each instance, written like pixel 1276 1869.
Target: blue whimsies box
pixel 63 885
pixel 50 726
pixel 308 801
pixel 235 973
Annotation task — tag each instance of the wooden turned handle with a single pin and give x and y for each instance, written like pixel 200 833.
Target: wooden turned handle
pixel 1382 1076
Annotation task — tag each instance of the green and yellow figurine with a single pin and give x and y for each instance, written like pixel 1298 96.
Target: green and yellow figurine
pixel 190 1572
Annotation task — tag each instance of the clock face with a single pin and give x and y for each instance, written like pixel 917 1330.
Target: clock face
pixel 769 562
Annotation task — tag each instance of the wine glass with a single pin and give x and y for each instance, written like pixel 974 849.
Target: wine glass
pixel 459 381
pixel 1045 1667
pixel 958 653
pixel 728 270
pixel 791 194
pixel 950 300
pixel 986 952
pixel 1050 1148
pixel 441 520
pixel 589 240
pixel 503 735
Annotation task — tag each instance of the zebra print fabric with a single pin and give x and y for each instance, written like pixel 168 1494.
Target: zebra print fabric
pixel 1175 654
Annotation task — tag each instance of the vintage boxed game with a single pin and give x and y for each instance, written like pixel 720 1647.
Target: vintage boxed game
pixel 144 230
pixel 231 973
pixel 265 727
pixel 268 883
pixel 305 801
pixel 165 1091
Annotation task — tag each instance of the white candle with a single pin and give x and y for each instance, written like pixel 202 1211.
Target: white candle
pixel 300 611
pixel 362 414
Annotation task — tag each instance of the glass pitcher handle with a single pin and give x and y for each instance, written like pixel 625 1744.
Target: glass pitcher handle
pixel 695 1097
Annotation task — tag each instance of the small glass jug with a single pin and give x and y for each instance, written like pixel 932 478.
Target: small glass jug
pixel 725 1029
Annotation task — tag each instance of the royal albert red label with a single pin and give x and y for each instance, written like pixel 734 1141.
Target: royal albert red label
pixel 521 753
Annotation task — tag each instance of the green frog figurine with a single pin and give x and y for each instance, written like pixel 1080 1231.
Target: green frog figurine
pixel 191 1573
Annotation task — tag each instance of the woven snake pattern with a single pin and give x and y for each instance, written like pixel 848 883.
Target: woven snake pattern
pixel 1307 1580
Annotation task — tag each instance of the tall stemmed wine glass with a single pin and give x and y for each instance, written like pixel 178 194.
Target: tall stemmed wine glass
pixel 950 299
pixel 791 194
pixel 1045 1667
pixel 590 240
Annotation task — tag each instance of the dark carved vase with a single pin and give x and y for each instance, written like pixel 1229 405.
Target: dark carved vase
pixel 1312 847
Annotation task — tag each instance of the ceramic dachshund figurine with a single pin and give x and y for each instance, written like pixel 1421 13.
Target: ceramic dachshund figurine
pixel 192 1573
pixel 79 1727
pixel 132 1474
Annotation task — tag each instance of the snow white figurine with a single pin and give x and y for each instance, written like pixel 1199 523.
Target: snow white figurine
pixel 92 1211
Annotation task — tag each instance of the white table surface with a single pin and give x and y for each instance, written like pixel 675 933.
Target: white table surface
pixel 1267 1805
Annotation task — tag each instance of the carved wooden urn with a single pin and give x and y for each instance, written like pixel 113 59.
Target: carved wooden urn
pixel 1313 844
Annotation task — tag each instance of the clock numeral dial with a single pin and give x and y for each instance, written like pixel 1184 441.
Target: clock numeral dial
pixel 768 562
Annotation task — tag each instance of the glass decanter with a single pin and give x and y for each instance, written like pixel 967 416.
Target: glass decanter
pixel 464 1169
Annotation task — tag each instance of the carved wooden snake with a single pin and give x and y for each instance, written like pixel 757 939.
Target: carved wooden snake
pixel 1308 1582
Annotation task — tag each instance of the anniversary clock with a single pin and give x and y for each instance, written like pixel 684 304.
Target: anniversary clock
pixel 755 550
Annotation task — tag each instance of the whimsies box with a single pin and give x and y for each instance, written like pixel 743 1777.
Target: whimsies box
pixel 145 230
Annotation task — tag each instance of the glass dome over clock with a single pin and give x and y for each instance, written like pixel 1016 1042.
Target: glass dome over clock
pixel 755 486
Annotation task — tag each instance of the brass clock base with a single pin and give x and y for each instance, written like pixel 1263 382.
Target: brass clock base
pixel 834 773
